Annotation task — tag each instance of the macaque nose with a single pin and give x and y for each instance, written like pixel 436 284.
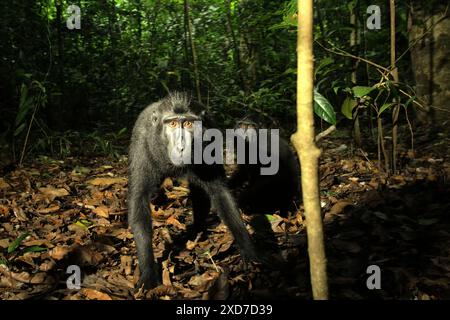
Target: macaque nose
pixel 180 148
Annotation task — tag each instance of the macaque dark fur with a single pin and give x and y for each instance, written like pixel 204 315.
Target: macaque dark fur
pixel 149 164
pixel 267 193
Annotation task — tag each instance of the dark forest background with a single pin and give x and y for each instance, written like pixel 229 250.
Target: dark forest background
pixel 68 91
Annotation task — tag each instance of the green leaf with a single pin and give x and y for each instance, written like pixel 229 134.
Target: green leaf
pixel 24 105
pixel 347 107
pixel 19 129
pixel 34 249
pixel 84 223
pixel 323 63
pixel 392 87
pixel 361 91
pixel 410 100
pixel 122 131
pixel 270 217
pixel 384 107
pixel 323 108
pixel 23 111
pixel 15 244
pixel 23 95
pixel 336 89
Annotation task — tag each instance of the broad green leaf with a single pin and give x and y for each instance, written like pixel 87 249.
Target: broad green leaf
pixel 384 107
pixel 347 107
pixel 360 91
pixel 270 217
pixel 323 108
pixel 34 249
pixel 15 244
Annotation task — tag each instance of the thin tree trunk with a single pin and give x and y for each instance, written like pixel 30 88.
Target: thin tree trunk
pixel 303 141
pixel 394 73
pixel 237 53
pixel 193 50
pixel 59 114
pixel 381 145
pixel 356 128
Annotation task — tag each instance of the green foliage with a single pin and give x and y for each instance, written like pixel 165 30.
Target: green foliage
pixel 361 91
pixel 323 108
pixel 25 106
pixel 84 86
pixel 35 249
pixel 16 243
pixel 347 107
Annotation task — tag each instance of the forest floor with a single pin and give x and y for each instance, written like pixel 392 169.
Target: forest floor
pixel 54 214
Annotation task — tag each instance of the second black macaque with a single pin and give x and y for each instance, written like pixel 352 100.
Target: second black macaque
pixel 162 140
pixel 266 194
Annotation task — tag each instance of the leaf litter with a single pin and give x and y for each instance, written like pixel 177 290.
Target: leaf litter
pixel 73 212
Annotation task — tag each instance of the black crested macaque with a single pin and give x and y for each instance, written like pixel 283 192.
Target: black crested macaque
pixel 266 193
pixel 161 142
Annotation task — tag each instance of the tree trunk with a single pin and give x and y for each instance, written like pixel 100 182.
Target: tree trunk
pixel 193 49
pixel 429 37
pixel 394 74
pixel 303 141
pixel 237 53
pixel 58 115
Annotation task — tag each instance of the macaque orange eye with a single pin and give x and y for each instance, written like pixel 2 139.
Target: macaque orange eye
pixel 188 124
pixel 173 124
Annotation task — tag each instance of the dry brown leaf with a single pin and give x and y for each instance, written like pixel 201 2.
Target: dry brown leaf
pixel 4 243
pixel 107 181
pixel 167 184
pixel 57 192
pixel 174 222
pixel 38 278
pixel 87 256
pixel 4 185
pixel 191 245
pixel 38 242
pixel 203 280
pixel 53 193
pixel 198 280
pixel 60 252
pixel 95 294
pixel 18 212
pixel 122 234
pixel 166 273
pixel 126 264
pixel 47 265
pixel 339 207
pixel 21 276
pixel 49 209
pixel 102 211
